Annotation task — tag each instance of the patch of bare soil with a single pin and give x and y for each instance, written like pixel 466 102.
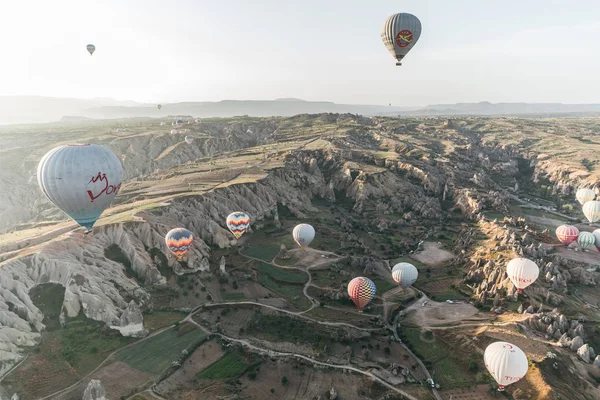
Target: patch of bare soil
pixel 433 255
pixel 436 314
pixel 589 256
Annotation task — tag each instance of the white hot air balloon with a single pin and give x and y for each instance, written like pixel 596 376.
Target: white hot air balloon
pixel 591 210
pixel 80 179
pixel 405 274
pixel 522 272
pixel 584 195
pixel 91 48
pixel 189 139
pixel 506 362
pixel 303 234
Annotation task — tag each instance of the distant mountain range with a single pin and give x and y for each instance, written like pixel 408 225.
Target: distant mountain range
pixel 36 109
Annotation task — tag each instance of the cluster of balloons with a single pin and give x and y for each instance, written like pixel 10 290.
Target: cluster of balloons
pixel 591 207
pixel 505 362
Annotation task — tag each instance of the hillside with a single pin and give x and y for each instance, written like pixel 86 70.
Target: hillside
pixel 113 311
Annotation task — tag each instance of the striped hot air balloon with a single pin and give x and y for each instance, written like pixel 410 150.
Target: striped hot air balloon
pixel 596 234
pixel 591 210
pixel 238 223
pixel 585 240
pixel 178 241
pixel 567 234
pixel 361 290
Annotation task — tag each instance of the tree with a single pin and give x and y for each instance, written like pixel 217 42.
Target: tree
pixel 235 284
pixel 387 350
pixel 284 380
pixel 252 375
pixel 472 366
pixel 272 390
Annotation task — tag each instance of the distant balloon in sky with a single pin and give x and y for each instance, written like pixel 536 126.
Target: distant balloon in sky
pixel 585 240
pixel 91 48
pixel 506 362
pixel 189 139
pixel 567 234
pixel 584 195
pixel 591 210
pixel 178 241
pixel 361 290
pixel 238 223
pixel 303 234
pixel 522 272
pixel 159 106
pixel 80 179
pixel 405 274
pixel 400 33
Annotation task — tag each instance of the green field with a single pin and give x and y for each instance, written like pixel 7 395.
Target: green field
pixel 449 368
pixel 155 355
pixel 282 275
pixel 290 329
pixel 160 319
pixel 293 293
pixel 383 285
pixel 236 296
pixel 231 365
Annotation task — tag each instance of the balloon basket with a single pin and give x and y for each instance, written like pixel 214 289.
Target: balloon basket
pixel 501 388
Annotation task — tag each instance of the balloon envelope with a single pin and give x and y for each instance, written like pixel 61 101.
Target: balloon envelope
pixel 506 362
pixel 400 32
pixel 585 240
pixel 404 274
pixel 596 234
pixel 584 195
pixel 361 290
pixel 522 272
pixel 91 48
pixel 567 234
pixel 80 179
pixel 178 241
pixel 303 234
pixel 238 223
pixel 591 210
pixel 189 139
pixel 159 106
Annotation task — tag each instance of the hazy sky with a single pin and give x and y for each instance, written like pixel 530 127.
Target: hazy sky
pixel 209 50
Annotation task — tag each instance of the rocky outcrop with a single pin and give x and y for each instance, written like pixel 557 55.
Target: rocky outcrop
pixel 94 391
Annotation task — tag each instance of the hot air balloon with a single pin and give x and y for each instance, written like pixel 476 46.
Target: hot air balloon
pixel 585 240
pixel 174 131
pixel 91 48
pixel 178 122
pixel 238 223
pixel 591 210
pixel 400 33
pixel 596 234
pixel 522 272
pixel 361 290
pixel 506 362
pixel 198 121
pixel 80 179
pixel 567 234
pixel 178 240
pixel 404 274
pixel 303 234
pixel 189 139
pixel 584 195
pixel 159 106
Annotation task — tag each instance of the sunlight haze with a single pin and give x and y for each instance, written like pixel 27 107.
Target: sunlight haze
pixel 158 51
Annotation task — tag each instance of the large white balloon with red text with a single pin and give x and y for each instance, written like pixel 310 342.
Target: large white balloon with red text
pixel 506 362
pixel 522 272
